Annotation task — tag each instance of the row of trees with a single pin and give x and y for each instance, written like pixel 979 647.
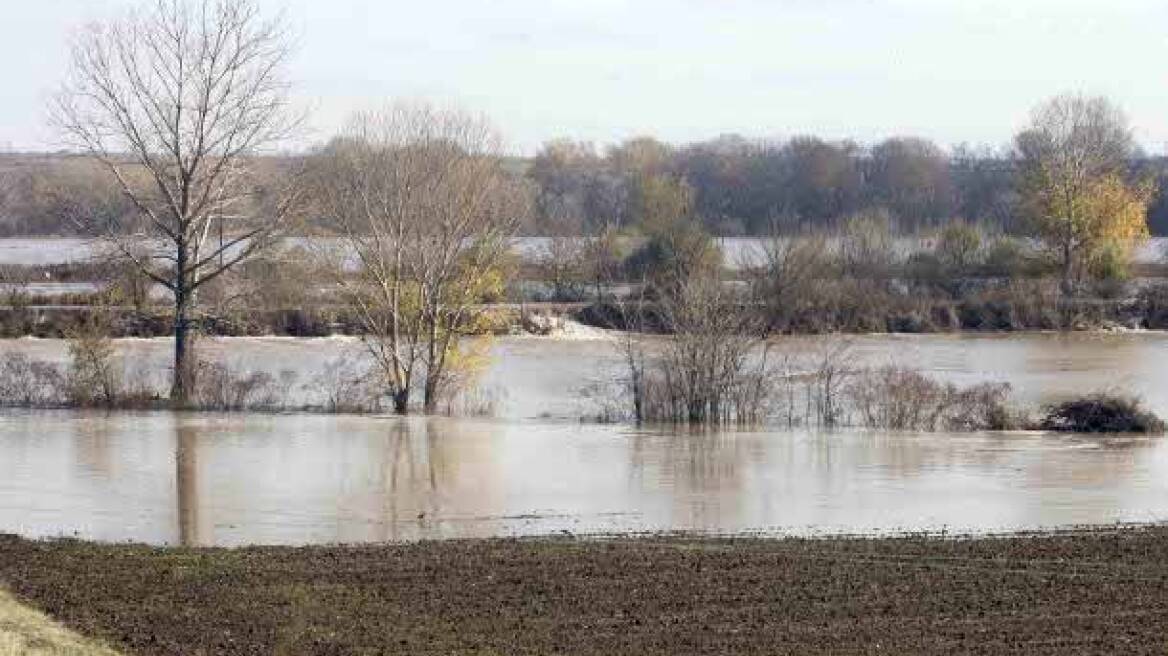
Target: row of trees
pixel 176 103
pixel 1071 181
pixel 735 186
pixel 738 186
pixel 174 106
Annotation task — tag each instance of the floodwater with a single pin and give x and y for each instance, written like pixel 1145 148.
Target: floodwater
pixel 736 251
pixel 210 479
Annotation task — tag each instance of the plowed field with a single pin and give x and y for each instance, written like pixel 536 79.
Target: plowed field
pixel 1074 592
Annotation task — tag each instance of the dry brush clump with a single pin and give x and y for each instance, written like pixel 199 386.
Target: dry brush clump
pixel 349 387
pixel 220 387
pixel 822 386
pixel 903 399
pixel 92 379
pixel 96 376
pixel 93 376
pixel 25 382
pixel 1101 413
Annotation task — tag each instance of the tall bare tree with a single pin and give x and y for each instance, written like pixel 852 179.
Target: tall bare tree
pixel 176 99
pixel 423 205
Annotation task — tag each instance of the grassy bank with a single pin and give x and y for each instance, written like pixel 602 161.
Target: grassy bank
pixel 27 632
pixel 1096 591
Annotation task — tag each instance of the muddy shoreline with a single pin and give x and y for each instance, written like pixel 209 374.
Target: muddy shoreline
pixel 1083 591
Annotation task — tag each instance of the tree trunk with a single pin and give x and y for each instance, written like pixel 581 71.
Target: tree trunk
pixel 182 381
pixel 638 397
pixel 430 402
pixel 1068 272
pixel 401 402
pixel 180 385
pixel 433 369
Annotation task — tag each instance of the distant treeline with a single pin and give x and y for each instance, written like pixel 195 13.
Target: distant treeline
pixel 62 194
pixel 746 187
pixel 735 186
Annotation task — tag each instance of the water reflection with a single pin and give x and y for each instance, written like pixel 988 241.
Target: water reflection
pixel 417 475
pixel 707 472
pixel 209 479
pixel 186 477
pixel 325 479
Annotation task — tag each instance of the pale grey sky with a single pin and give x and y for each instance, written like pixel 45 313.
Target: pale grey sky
pixel 602 70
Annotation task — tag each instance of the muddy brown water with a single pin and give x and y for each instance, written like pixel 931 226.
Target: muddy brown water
pixel 217 479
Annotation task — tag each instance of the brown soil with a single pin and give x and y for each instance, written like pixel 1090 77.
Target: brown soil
pixel 1075 592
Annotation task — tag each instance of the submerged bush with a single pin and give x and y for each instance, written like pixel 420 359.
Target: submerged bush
pixel 25 382
pixel 904 399
pixel 711 366
pixel 93 376
pixel 349 388
pixel 219 387
pixel 1101 413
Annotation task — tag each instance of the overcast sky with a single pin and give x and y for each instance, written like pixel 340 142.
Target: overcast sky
pixel 602 70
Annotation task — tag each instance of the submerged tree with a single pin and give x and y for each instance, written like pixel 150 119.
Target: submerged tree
pixel 711 366
pixel 423 206
pixel 175 101
pixel 1072 161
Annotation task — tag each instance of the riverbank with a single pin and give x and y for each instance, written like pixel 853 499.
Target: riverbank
pixel 1085 591
pixel 60 316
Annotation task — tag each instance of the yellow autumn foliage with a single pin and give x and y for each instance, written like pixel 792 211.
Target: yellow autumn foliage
pixel 1102 220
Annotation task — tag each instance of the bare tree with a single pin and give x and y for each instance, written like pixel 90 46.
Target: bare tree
pixel 175 100
pixel 711 366
pixel 424 208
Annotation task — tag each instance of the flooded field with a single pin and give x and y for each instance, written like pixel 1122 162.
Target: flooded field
pixel 534 468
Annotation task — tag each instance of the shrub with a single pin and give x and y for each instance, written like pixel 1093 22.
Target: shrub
pixel 1110 262
pixel 29 383
pixel 93 377
pixel 926 270
pixel 903 399
pixel 867 248
pixel 959 247
pixel 349 387
pixel 1101 413
pixel 669 258
pixel 1007 257
pixel 1152 303
pixel 218 387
